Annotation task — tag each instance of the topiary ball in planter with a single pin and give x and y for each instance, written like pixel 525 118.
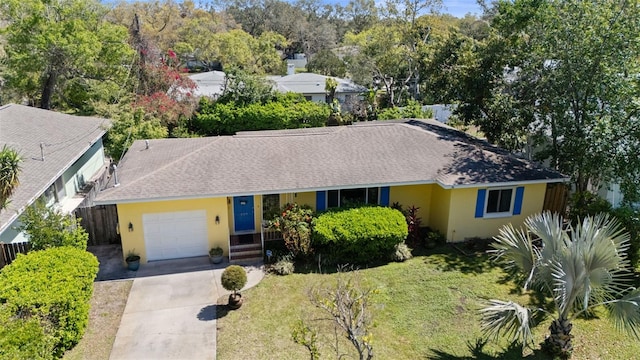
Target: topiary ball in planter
pixel 233 279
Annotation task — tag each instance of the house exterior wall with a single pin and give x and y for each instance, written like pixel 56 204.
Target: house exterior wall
pixel 439 210
pixel 218 234
pixel 463 223
pixel 83 169
pixel 413 195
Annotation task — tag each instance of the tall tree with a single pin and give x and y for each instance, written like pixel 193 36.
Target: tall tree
pixel 580 268
pixel 49 43
pixel 9 171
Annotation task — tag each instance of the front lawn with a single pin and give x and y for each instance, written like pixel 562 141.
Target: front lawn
pixel 427 307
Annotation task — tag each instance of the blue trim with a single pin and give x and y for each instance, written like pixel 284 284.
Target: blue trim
pixel 517 205
pixel 482 194
pixel 384 196
pixel 321 200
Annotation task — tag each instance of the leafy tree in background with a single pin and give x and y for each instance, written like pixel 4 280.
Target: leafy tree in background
pixel 57 53
pixel 325 62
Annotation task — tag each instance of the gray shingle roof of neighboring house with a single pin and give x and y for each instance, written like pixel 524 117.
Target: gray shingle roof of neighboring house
pixel 210 83
pixel 65 139
pixel 309 83
pixel 366 154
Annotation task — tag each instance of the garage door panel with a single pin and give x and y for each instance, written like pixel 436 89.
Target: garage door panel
pixel 175 235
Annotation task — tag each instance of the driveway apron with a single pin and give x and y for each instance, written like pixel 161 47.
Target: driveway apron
pixel 169 317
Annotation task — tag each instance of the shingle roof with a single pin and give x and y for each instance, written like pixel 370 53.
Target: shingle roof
pixel 310 83
pixel 365 154
pixel 65 138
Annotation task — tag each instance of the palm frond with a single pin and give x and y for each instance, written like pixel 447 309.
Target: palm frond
pixel 507 318
pixel 515 249
pixel 625 312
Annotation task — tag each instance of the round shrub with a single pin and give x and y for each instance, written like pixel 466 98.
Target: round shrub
pixel 284 266
pixel 234 278
pixel 401 253
pixel 359 235
pixel 55 286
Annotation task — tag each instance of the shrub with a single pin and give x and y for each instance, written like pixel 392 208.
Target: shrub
pixel 53 285
pixel 48 228
pixel 234 278
pixel 401 253
pixel 583 204
pixel 630 219
pixel 295 224
pixel 360 234
pixel 24 338
pixel 284 266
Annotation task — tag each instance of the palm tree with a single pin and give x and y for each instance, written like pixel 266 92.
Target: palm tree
pixel 9 169
pixel 581 268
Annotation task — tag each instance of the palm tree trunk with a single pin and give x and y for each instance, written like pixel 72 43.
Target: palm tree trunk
pixel 558 343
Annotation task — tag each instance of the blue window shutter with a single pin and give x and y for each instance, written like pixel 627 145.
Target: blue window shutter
pixel 517 204
pixel 321 200
pixel 482 194
pixel 384 196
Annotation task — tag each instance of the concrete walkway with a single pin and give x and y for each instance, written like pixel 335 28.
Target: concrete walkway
pixel 171 310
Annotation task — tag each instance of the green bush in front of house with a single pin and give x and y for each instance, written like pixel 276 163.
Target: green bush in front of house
pixel 24 338
pixel 359 235
pixel 53 286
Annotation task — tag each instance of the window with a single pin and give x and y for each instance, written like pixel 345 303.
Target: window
pixel 347 197
pixel 499 201
pixel 270 206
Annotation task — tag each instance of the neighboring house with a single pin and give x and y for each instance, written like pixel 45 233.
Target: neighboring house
pixel 312 87
pixel 180 197
pixel 60 154
pixel 210 83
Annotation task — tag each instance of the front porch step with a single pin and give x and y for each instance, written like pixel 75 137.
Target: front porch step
pixel 245 247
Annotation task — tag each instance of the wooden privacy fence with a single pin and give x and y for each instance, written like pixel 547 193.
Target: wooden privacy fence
pixel 556 198
pixel 9 252
pixel 101 223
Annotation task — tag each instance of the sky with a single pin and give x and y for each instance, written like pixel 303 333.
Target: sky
pixel 459 8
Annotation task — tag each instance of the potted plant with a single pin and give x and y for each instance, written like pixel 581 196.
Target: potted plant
pixel 215 255
pixel 133 260
pixel 233 279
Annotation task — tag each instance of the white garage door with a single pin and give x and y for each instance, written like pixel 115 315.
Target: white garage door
pixel 173 235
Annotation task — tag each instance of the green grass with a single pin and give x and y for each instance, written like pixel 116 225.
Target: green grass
pixel 426 308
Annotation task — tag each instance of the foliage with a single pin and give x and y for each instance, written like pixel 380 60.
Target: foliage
pixel 401 253
pixel 289 111
pixel 413 109
pixel 53 286
pixel 347 304
pixel 325 62
pixel 284 265
pixel 48 227
pixel 9 171
pixel 630 220
pixel 586 203
pixel 581 268
pixel 242 88
pixel 413 225
pixel 216 251
pixel 360 234
pixel 25 338
pixel 306 336
pixel 129 127
pixel 296 225
pixel 234 278
pixel 435 238
pixel 54 46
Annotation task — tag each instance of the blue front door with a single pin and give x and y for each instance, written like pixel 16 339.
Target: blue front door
pixel 243 213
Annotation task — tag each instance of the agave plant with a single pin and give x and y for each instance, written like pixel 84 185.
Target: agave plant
pixel 580 268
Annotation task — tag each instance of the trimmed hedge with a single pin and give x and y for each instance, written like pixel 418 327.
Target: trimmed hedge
pixel 361 234
pixel 54 286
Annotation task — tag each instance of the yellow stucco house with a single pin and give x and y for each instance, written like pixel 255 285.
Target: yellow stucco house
pixel 179 197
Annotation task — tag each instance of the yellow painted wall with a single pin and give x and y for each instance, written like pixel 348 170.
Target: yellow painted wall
pixel 463 223
pixel 413 195
pixel 218 234
pixel 305 198
pixel 439 211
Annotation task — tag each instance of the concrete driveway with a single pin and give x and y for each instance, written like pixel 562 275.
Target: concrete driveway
pixel 171 311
